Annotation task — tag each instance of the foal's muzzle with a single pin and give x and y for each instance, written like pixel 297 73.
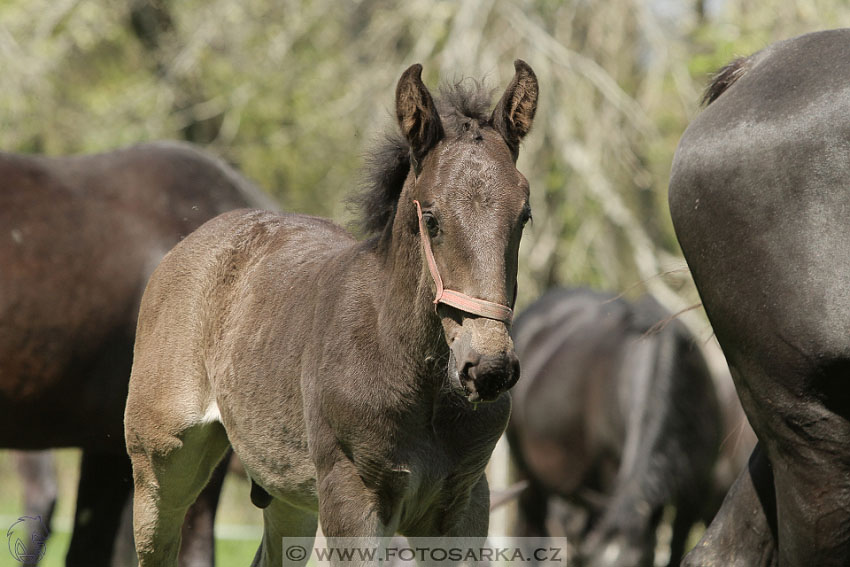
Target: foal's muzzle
pixel 483 378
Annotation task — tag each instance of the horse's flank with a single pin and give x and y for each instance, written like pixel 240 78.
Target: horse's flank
pixel 80 236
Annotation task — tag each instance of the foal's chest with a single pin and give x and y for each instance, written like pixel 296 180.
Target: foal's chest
pixel 444 465
pixel 427 489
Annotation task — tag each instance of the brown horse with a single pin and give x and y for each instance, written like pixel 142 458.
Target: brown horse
pixel 617 413
pixel 79 237
pixel 348 392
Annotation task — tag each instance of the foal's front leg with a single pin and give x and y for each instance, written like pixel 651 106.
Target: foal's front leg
pixel 468 519
pixel 348 508
pixel 473 519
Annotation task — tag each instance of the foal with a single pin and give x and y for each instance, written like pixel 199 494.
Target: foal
pixel 349 391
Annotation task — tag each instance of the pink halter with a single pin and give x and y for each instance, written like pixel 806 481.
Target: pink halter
pixel 457 299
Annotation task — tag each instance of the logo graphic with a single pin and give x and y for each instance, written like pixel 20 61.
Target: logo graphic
pixel 26 539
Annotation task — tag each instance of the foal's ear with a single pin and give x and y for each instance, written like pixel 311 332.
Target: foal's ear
pixel 417 115
pixel 514 114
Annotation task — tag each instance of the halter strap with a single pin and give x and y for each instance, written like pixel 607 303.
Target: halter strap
pixel 457 299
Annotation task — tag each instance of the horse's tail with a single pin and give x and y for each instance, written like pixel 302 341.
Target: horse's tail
pixel 725 78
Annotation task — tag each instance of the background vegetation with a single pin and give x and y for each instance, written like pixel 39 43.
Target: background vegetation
pixel 294 91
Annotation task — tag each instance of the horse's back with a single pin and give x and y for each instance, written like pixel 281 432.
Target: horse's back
pixel 595 367
pixel 230 276
pixel 617 412
pixel 172 180
pixel 182 304
pixel 579 324
pixel 206 272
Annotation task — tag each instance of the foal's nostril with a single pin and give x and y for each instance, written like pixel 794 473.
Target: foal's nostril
pixel 467 369
pixel 469 364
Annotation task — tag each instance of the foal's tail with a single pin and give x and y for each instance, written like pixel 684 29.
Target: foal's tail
pixel 725 78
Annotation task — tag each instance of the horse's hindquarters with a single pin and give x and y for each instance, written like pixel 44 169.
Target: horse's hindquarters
pixel 758 199
pixel 173 440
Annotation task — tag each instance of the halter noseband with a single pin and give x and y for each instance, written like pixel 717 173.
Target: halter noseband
pixel 457 299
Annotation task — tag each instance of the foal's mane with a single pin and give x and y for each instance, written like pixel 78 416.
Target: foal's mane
pixel 388 162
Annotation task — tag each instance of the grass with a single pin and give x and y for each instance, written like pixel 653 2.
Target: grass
pixel 238 524
pixel 228 552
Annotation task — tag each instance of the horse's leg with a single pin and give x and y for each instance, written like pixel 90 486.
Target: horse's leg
pixel 37 471
pixel 347 507
pixel 198 548
pixel 124 554
pixel 687 514
pixel 474 519
pixel 798 403
pixel 282 520
pixel 104 488
pixel 470 523
pixel 808 444
pixel 533 504
pixel 169 470
pixel 743 533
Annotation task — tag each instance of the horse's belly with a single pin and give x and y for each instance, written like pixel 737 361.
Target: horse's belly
pixel 284 470
pixel 56 406
pixel 558 467
pixel 274 452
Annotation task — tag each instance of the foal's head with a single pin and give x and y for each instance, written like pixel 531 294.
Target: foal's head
pixel 464 191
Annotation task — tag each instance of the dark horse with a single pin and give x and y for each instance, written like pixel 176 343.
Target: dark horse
pixel 79 237
pixel 617 414
pixel 759 198
pixel 348 391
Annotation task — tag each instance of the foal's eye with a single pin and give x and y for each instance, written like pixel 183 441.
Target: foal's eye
pixel 526 216
pixel 431 224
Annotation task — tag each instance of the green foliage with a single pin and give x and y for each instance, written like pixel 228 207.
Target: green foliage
pixel 294 93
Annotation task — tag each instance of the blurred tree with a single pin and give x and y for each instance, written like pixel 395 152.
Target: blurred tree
pixel 149 20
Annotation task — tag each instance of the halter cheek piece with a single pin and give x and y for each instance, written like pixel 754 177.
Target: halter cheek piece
pixel 457 299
